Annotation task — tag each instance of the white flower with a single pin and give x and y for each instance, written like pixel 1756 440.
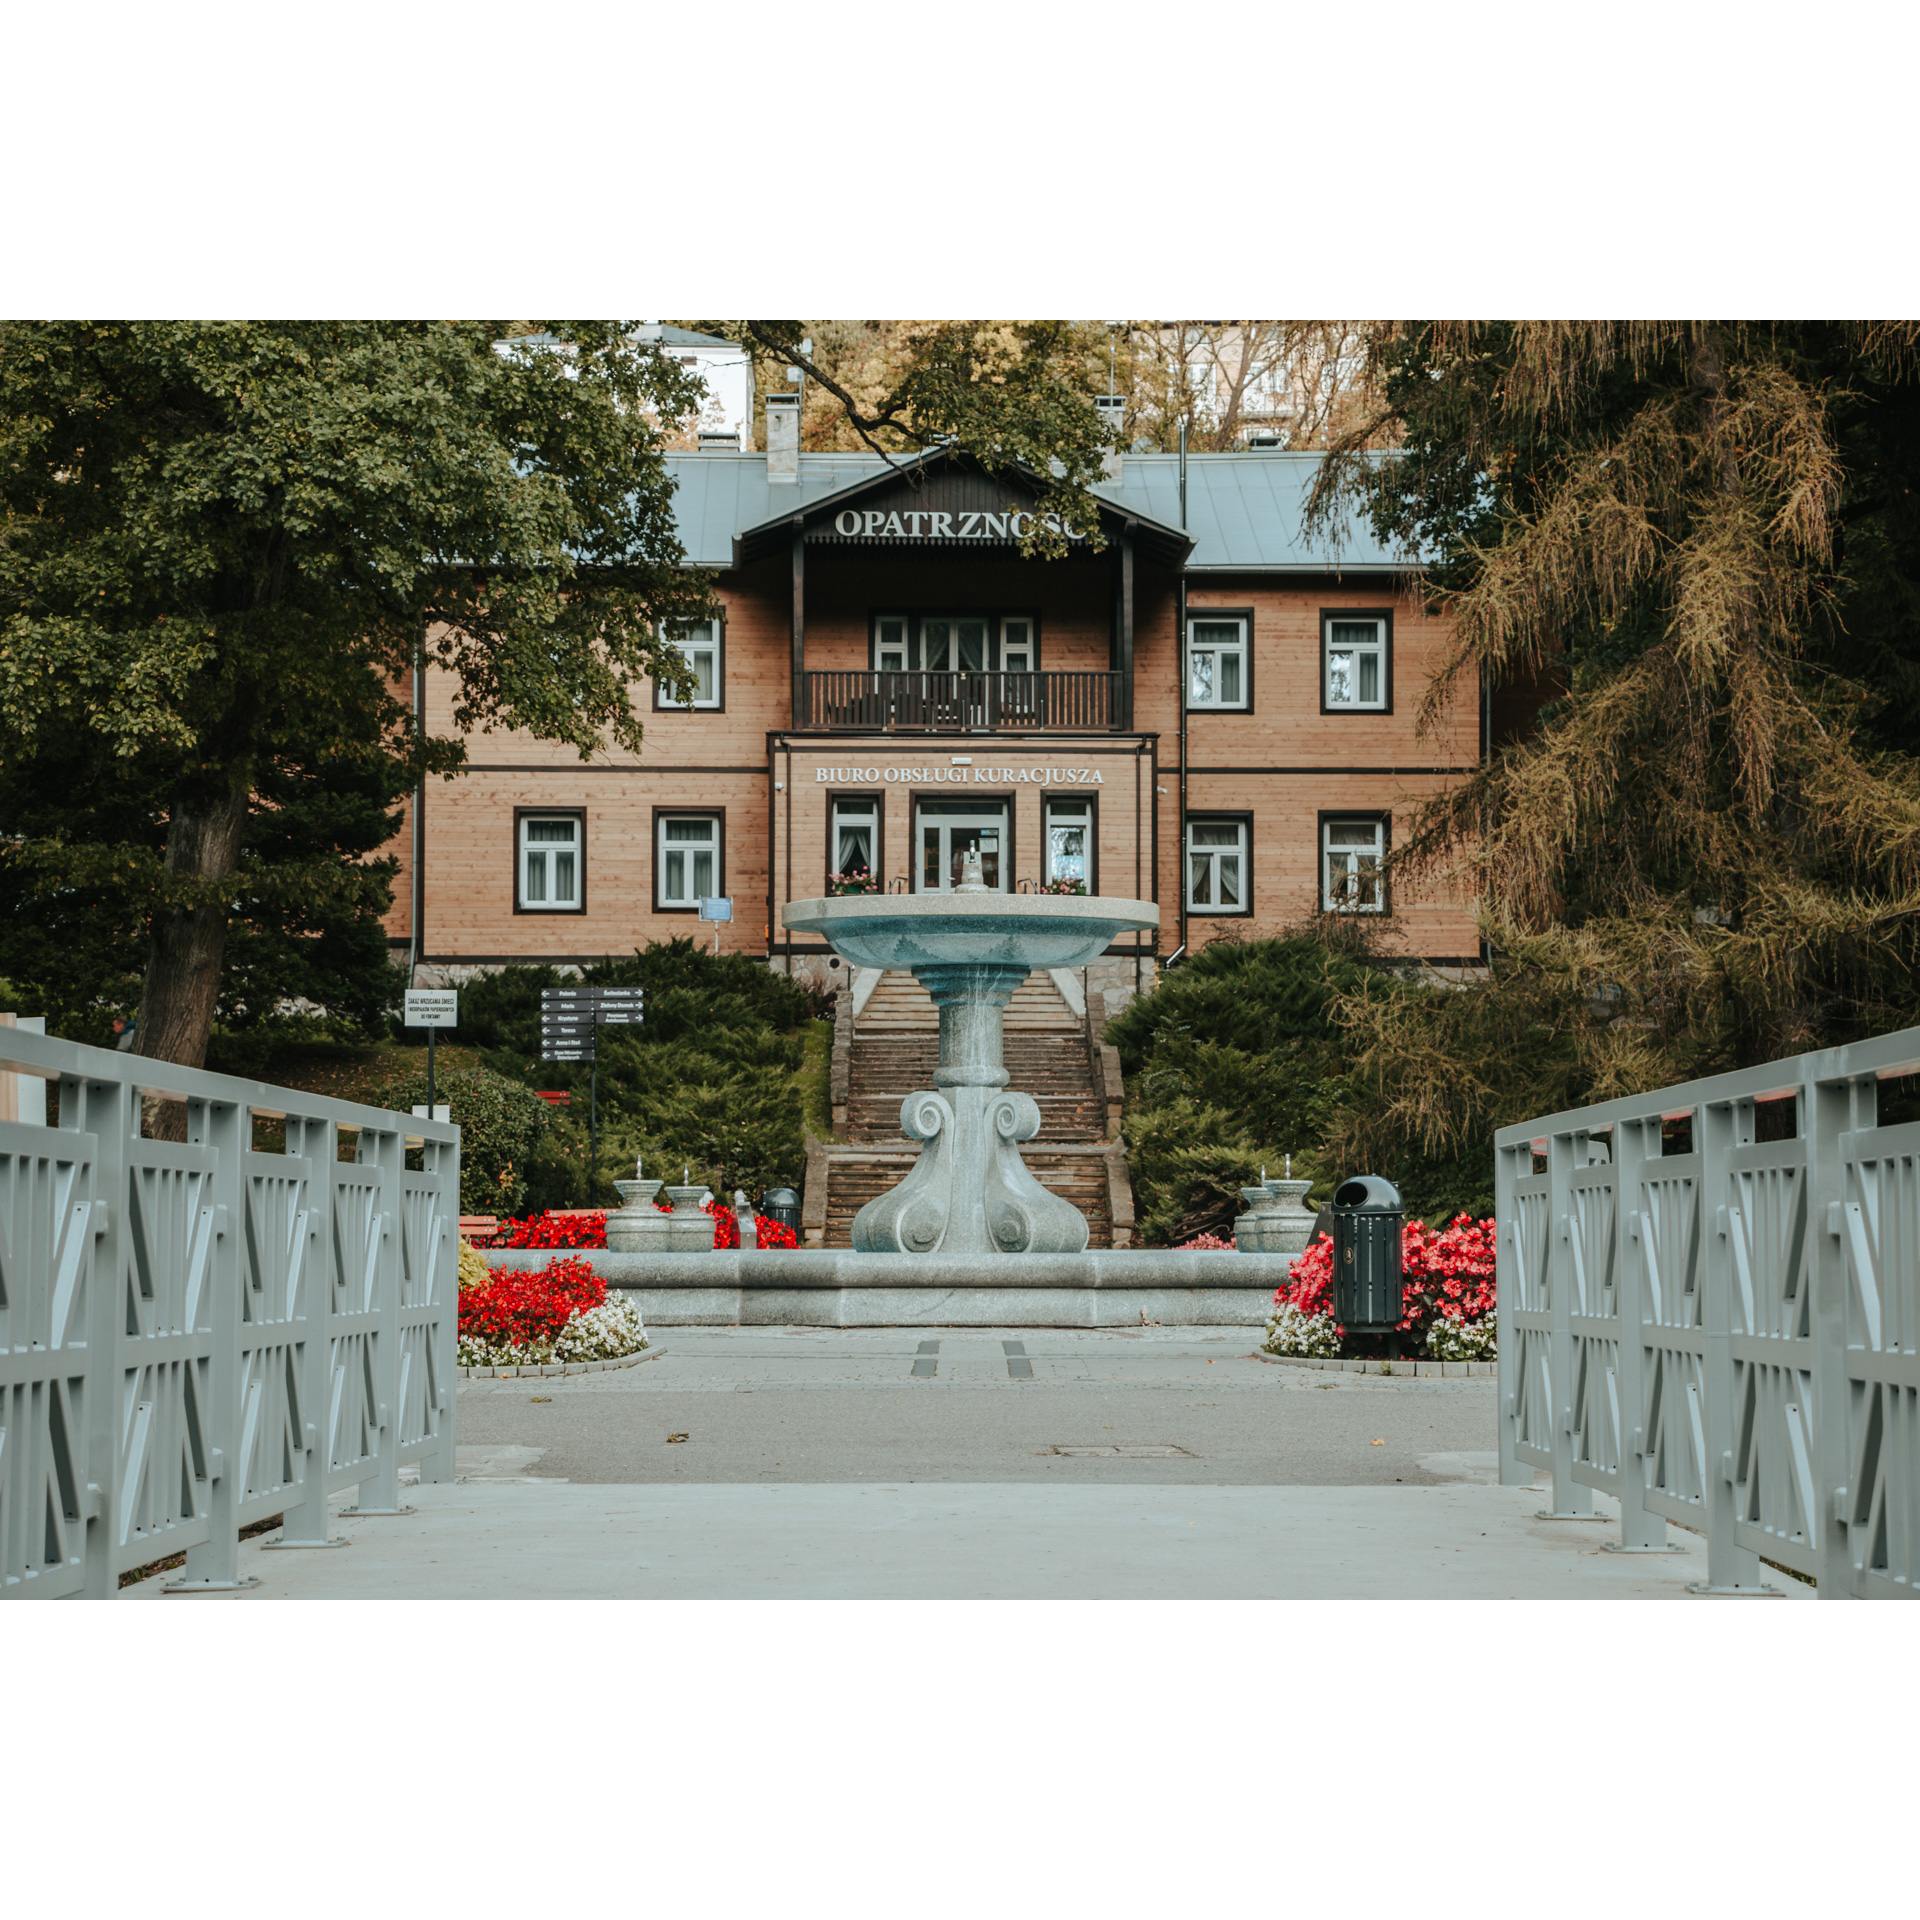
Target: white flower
pixel 1308 1334
pixel 1462 1339
pixel 610 1331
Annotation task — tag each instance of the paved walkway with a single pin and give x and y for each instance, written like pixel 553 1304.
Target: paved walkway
pixel 878 1464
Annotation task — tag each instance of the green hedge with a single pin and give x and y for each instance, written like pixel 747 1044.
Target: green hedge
pixel 501 1123
pixel 710 1080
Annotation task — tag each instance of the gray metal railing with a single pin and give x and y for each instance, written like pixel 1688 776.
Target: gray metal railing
pixel 1709 1303
pixel 196 1336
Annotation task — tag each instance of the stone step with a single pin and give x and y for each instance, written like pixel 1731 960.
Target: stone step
pixel 900 1003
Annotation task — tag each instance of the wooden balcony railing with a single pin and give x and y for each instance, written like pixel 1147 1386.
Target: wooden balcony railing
pixel 962 702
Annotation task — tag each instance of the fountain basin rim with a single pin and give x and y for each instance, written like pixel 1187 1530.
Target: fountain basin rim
pixel 945 928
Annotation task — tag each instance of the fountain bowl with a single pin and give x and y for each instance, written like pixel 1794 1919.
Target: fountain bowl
pixel 906 931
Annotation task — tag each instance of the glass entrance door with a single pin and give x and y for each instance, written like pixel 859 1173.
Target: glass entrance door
pixel 947 831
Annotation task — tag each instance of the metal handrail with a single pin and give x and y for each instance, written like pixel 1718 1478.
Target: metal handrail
pixel 293 1332
pixel 1708 1306
pixel 839 701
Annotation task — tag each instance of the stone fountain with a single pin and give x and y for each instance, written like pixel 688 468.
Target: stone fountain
pixel 969 1237
pixel 970 1193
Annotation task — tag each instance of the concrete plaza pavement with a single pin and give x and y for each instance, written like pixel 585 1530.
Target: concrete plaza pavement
pixel 910 1404
pixel 1174 1463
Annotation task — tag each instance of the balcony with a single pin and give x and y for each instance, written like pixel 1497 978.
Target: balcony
pixel 962 702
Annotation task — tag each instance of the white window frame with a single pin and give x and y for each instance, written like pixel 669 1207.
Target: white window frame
pixel 1018 632
pixel 532 855
pixel 1377 647
pixel 852 805
pixel 1237 649
pixel 1067 813
pixel 900 644
pixel 1339 896
pixel 692 638
pixel 1212 855
pixel 688 900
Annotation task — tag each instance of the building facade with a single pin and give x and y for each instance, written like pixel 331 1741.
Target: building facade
pixel 1205 713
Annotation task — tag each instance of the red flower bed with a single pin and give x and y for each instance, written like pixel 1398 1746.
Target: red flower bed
pixel 555 1230
pixel 589 1230
pixel 517 1308
pixel 1447 1275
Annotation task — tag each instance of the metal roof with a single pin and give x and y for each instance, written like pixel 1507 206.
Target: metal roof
pixel 1244 513
pixel 1243 509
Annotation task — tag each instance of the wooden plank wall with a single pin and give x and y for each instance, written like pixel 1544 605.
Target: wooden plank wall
pixel 1284 761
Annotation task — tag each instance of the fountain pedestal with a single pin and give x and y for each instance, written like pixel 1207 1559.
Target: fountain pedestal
pixel 970 1193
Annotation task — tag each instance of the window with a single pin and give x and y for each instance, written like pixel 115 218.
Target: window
pixel 949 645
pixel 1358 654
pixel 951 829
pixel 1217 674
pixel 549 863
pixel 688 866
pixel 855 839
pixel 1069 845
pixel 955 643
pixel 890 643
pixel 1217 866
pixel 1351 853
pixel 702 643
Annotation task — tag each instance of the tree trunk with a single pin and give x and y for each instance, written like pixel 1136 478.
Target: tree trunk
pixel 189 944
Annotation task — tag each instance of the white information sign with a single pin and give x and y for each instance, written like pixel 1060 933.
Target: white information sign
pixel 715 909
pixel 432 1007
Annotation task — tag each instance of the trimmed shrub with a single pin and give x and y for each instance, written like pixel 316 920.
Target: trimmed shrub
pixel 500 1122
pixel 1187 1164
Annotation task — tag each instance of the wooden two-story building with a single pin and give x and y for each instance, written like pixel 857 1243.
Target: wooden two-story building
pixel 1208 712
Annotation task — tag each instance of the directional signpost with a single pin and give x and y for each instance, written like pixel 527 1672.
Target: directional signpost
pixel 570 1020
pixel 432 1008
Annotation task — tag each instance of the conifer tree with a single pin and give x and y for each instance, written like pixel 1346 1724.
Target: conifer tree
pixel 1699 540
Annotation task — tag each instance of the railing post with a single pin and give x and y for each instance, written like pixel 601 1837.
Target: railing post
pixel 1506 1293
pixel 1641 1530
pixel 214 1565
pixel 1731 1568
pixel 1571 1500
pixel 445 1161
pixel 380 1491
pixel 110 1111
pixel 1832 1109
pixel 306 1524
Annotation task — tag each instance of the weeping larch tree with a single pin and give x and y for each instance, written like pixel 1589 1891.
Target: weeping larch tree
pixel 1701 541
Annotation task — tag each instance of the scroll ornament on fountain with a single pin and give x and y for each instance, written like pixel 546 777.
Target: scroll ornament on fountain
pixel 970 1192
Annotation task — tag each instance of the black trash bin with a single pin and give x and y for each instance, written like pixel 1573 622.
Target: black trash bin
pixel 782 1204
pixel 1367 1218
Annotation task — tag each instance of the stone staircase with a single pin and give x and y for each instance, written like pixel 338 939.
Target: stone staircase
pixel 890 1049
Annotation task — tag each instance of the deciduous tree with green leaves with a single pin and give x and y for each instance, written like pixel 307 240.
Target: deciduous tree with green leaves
pixel 224 548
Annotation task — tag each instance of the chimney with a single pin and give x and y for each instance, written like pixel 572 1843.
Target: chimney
pixel 1112 409
pixel 783 438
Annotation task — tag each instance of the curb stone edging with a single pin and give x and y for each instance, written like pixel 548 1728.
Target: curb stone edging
pixel 1451 1369
pixel 559 1369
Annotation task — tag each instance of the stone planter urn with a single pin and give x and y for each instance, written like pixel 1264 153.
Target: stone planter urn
pixel 639 1226
pixel 689 1230
pixel 1257 1230
pixel 1292 1217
